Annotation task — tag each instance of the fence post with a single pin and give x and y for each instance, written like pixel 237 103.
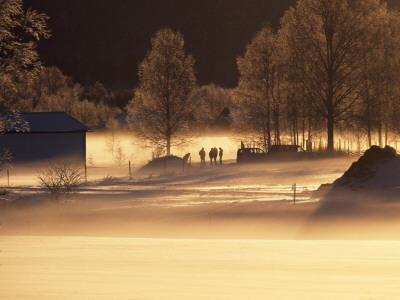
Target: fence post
pixel 130 171
pixel 294 193
pixel 85 172
pixel 8 177
pixel 165 165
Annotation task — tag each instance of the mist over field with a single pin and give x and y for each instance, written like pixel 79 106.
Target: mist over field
pixel 227 200
pixel 199 150
pixel 224 232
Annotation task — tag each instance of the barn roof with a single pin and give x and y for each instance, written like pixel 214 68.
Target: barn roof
pixel 50 122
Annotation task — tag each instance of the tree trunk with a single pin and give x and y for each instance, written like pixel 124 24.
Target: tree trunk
pixel 330 121
pixel 386 134
pixel 309 121
pixel 369 138
pixel 369 127
pixel 269 125
pixel 277 124
pixel 265 141
pixel 380 134
pixel 168 145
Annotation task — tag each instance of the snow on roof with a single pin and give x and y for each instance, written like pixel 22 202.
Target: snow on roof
pixel 52 122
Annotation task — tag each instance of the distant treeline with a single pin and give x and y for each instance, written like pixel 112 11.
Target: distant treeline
pixel 332 66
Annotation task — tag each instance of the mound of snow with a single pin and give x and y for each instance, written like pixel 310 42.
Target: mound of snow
pixel 162 165
pixel 372 180
pixel 377 169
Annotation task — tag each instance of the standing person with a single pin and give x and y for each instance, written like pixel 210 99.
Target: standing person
pixel 202 154
pixel 186 157
pixel 221 153
pixel 211 155
pixel 215 154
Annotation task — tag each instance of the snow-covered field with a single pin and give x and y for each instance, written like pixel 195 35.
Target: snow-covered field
pixel 129 268
pixel 226 201
pixel 217 232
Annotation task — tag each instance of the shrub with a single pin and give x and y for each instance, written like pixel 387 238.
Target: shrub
pixel 61 179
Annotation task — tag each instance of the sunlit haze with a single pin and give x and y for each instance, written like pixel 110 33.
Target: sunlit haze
pixel 199 149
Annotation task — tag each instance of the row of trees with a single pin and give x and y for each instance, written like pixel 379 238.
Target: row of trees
pixel 51 90
pixel 25 85
pixel 333 64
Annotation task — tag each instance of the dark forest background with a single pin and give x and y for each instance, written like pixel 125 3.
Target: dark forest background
pixel 102 40
pixel 91 62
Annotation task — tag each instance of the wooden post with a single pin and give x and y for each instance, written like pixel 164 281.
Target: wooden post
pixel 85 172
pixel 8 177
pixel 130 171
pixel 294 193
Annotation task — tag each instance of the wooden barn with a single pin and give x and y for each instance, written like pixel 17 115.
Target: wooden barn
pixel 51 136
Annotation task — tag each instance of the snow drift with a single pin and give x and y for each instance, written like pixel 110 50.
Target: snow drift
pixel 362 190
pixel 164 165
pixel 374 176
pixel 377 169
pixel 363 202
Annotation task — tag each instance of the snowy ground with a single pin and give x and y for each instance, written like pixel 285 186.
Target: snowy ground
pixel 224 201
pixel 227 201
pixel 221 232
pixel 131 268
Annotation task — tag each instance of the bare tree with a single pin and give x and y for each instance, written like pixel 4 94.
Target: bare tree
pixel 381 73
pixel 323 39
pixel 259 86
pixel 111 139
pixel 120 157
pixel 162 106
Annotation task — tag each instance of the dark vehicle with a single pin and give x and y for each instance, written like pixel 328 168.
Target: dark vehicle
pixel 276 153
pixel 288 152
pixel 249 155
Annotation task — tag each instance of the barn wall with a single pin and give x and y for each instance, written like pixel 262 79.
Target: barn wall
pixel 29 147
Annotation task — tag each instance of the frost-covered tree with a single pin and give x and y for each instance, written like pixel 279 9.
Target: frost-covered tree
pixel 163 106
pixel 324 43
pixel 51 90
pixel 259 87
pixel 380 77
pixel 19 33
pixel 215 98
pixel 97 93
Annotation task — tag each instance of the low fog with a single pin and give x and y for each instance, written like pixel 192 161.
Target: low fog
pixel 214 201
pixel 219 232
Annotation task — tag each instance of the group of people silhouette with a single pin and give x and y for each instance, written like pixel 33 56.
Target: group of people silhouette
pixel 213 156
